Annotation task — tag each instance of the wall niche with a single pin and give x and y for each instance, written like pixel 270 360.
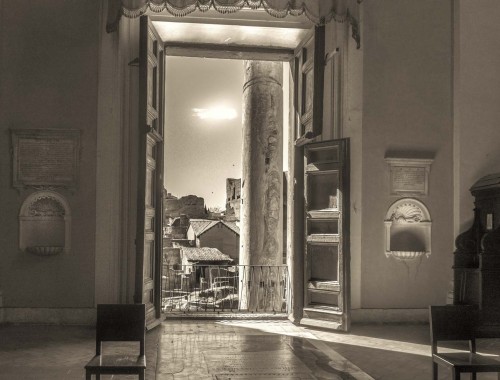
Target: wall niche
pixel 45 224
pixel 407 230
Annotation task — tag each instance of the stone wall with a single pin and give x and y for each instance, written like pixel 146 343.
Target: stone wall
pixel 233 198
pixel 189 205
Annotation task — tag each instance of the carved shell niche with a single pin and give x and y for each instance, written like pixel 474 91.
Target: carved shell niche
pixel 407 230
pixel 407 212
pixel 46 205
pixel 45 224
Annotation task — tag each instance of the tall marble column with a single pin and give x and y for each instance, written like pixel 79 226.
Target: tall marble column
pixel 262 186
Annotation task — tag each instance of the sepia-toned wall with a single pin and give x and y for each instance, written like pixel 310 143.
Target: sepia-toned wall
pixel 49 79
pixel 476 92
pixel 407 112
pixel 424 82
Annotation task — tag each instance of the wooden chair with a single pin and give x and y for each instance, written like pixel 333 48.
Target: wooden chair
pixel 453 323
pixel 118 323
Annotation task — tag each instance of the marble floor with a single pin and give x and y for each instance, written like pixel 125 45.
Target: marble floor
pixel 233 350
pixel 239 349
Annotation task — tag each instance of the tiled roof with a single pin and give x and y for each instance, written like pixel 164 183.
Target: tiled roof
pixel 201 226
pixel 232 226
pixel 204 254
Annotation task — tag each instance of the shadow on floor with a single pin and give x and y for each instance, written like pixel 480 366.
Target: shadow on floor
pixel 40 352
pixel 396 351
pixel 236 350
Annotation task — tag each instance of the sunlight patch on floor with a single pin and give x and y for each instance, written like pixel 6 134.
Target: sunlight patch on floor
pixel 379 343
pixel 272 327
pixel 382 344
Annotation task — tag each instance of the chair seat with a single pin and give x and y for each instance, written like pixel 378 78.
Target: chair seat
pixel 466 360
pixel 121 362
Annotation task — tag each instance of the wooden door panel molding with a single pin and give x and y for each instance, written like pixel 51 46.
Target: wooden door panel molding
pixel 309 63
pixel 327 256
pixel 153 134
pixel 150 179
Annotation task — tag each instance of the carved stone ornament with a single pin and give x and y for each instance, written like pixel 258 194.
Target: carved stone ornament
pixel 407 213
pixel 45 224
pixel 408 230
pixel 46 205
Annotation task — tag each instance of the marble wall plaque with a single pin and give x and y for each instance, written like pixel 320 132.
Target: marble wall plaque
pixel 409 176
pixel 45 157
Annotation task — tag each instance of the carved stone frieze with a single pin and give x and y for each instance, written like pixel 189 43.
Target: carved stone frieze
pixel 407 212
pixel 46 205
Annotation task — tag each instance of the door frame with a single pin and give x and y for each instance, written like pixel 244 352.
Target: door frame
pixel 295 254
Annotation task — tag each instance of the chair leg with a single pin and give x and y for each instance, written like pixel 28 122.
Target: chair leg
pixel 435 371
pixel 88 375
pixel 455 374
pixel 141 375
pixel 98 376
pixel 473 376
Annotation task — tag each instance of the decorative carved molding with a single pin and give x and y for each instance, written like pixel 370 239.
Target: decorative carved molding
pixel 408 255
pixel 407 213
pixel 46 205
pixel 408 210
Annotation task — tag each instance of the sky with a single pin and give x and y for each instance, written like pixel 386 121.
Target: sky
pixel 203 126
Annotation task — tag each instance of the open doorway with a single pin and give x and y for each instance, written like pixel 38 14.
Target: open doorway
pixel 203 145
pixel 315 295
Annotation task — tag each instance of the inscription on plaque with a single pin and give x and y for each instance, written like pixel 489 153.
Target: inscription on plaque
pixel 408 179
pixel 45 157
pixel 409 176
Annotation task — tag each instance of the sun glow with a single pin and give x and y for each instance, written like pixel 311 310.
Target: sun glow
pixel 215 113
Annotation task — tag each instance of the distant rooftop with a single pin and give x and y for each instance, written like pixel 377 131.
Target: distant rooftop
pixel 200 226
pixel 204 254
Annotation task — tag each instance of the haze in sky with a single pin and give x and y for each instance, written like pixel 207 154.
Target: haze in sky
pixel 203 126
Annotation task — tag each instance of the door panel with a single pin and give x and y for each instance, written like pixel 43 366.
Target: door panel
pixel 326 277
pixel 309 74
pixel 150 178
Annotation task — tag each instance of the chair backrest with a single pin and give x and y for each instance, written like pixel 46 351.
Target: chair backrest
pixel 120 322
pixel 453 322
